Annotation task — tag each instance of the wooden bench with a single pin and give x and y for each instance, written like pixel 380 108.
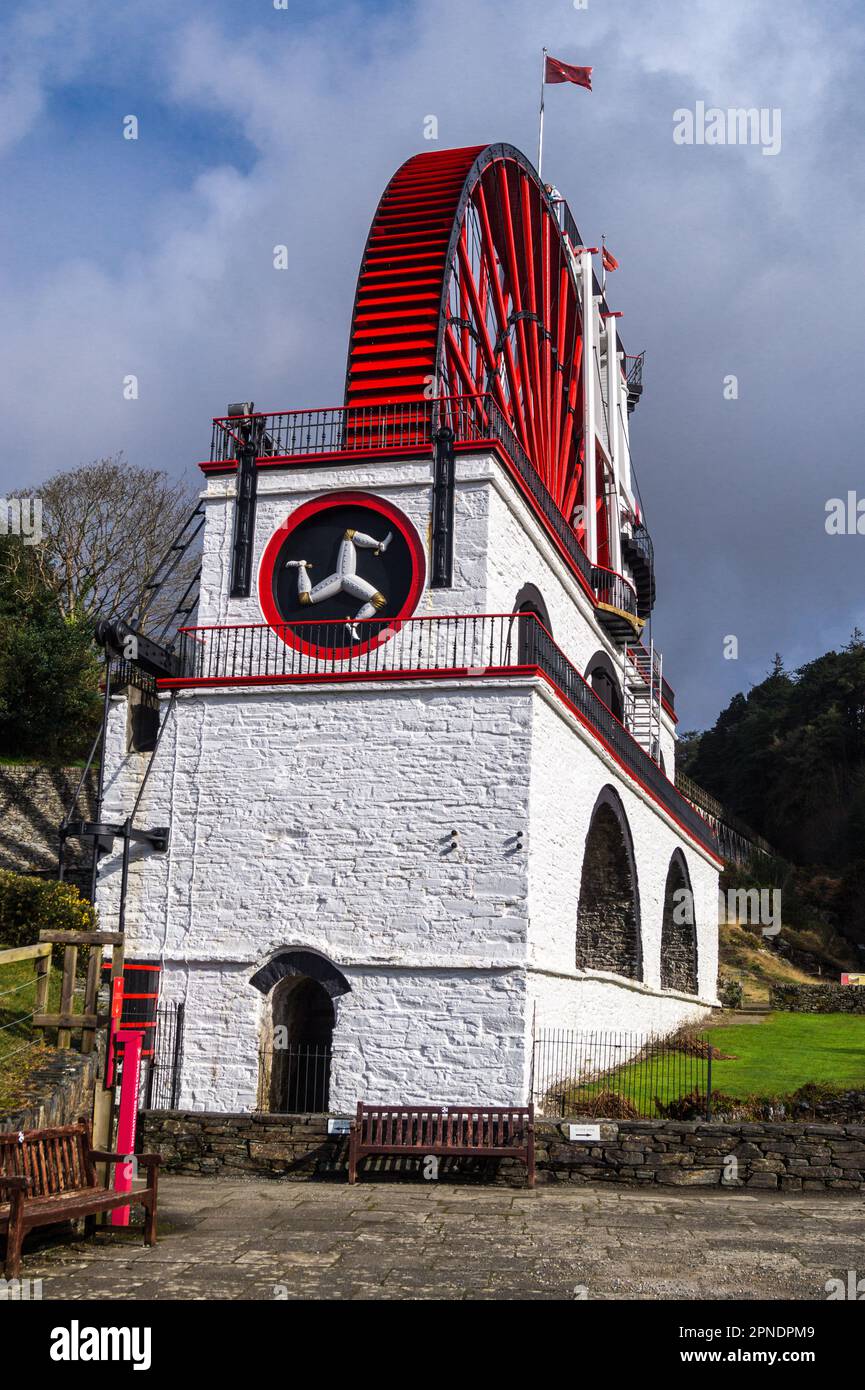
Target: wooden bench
pixel 50 1175
pixel 452 1131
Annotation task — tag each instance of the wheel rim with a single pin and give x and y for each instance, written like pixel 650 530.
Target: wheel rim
pixel 467 288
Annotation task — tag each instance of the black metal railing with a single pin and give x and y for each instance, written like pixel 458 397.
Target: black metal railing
pixel 161 1078
pixel 607 1075
pixel 639 540
pixel 462 645
pixel 295 1079
pixel 478 419
pixel 330 430
pixel 613 590
pixel 634 370
pixel 333 430
pixel 737 840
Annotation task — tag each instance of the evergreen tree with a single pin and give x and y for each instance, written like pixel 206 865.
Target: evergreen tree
pixel 49 670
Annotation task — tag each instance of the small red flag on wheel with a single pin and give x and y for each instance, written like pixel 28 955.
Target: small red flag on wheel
pixel 554 71
pixel 610 262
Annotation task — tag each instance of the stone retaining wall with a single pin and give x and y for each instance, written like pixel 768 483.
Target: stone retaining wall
pixel 818 999
pixel 59 1092
pixel 787 1157
pixel 33 802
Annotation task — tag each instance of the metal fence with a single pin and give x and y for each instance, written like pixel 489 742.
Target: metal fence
pixel 294 1080
pixel 161 1077
pixel 622 1075
pixel 481 645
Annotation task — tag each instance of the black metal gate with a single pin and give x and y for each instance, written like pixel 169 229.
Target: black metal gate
pixel 295 1079
pixel 162 1077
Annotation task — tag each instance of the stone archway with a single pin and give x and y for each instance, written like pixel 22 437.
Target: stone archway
pixel 608 916
pixel 294 1067
pixel 530 603
pixel 601 676
pixel 679 930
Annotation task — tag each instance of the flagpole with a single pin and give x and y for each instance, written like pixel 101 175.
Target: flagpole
pixel 541 114
pixel 603 269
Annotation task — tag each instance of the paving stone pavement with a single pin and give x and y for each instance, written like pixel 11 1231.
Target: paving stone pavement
pixel 254 1239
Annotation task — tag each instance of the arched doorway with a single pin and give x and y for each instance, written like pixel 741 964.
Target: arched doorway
pixel 679 930
pixel 294 1069
pixel 608 916
pixel 530 601
pixel 601 675
pixel 302 1019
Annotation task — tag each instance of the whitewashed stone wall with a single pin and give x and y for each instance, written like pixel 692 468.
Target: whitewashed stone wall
pixel 321 819
pixel 499 547
pixel 568 773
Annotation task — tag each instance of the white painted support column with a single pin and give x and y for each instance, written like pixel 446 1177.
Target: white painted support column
pixel 589 423
pixel 613 375
pixel 622 430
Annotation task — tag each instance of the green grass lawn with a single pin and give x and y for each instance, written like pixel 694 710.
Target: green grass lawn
pixel 789 1050
pixel 769 1060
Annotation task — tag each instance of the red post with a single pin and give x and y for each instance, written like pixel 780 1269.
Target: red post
pixel 116 1013
pixel 128 1116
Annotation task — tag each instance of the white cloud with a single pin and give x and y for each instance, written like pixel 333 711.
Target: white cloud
pixel 730 262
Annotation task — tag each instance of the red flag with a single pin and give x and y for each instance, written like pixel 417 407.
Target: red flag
pixel 610 262
pixel 554 71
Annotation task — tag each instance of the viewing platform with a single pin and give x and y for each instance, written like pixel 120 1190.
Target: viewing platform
pixel 284 438
pixel 483 646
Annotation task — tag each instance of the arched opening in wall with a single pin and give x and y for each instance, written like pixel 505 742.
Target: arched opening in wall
pixel 608 916
pixel 301 1037
pixel 530 603
pixel 301 989
pixel 601 675
pixel 679 930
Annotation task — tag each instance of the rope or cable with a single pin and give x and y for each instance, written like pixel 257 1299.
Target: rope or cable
pixel 25 1047
pixel 15 1022
pixel 28 984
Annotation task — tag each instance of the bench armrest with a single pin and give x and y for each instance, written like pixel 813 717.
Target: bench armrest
pixel 146 1160
pixel 14 1181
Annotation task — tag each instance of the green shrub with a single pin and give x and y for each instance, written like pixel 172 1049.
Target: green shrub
pixel 29 905
pixel 730 993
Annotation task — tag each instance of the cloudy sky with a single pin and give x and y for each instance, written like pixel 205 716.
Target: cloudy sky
pixel 260 126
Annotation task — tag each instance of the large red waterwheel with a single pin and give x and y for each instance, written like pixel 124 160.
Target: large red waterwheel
pixel 467 289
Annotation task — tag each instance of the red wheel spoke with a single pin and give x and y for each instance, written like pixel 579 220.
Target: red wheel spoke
pixel 516 300
pixel 466 281
pixel 483 334
pixel 487 246
pixel 533 333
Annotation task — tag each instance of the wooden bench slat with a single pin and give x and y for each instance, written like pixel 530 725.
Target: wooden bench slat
pixel 62 1185
pixel 453 1131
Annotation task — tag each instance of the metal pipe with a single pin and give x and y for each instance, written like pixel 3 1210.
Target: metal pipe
pixel 100 781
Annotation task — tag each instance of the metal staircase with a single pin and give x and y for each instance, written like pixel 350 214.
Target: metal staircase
pixel 642 675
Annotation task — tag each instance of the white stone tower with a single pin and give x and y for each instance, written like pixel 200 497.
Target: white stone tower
pixel 417 763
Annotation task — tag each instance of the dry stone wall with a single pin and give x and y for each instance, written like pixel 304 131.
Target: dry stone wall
pixel 818 999
pixel 778 1157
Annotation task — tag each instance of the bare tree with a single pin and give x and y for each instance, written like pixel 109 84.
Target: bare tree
pixel 105 528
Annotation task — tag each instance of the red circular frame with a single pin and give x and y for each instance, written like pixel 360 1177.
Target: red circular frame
pixel 271 554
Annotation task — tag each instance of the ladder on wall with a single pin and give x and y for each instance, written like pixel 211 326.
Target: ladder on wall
pixel 642 675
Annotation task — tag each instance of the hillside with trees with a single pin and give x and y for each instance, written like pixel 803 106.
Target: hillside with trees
pixel 788 758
